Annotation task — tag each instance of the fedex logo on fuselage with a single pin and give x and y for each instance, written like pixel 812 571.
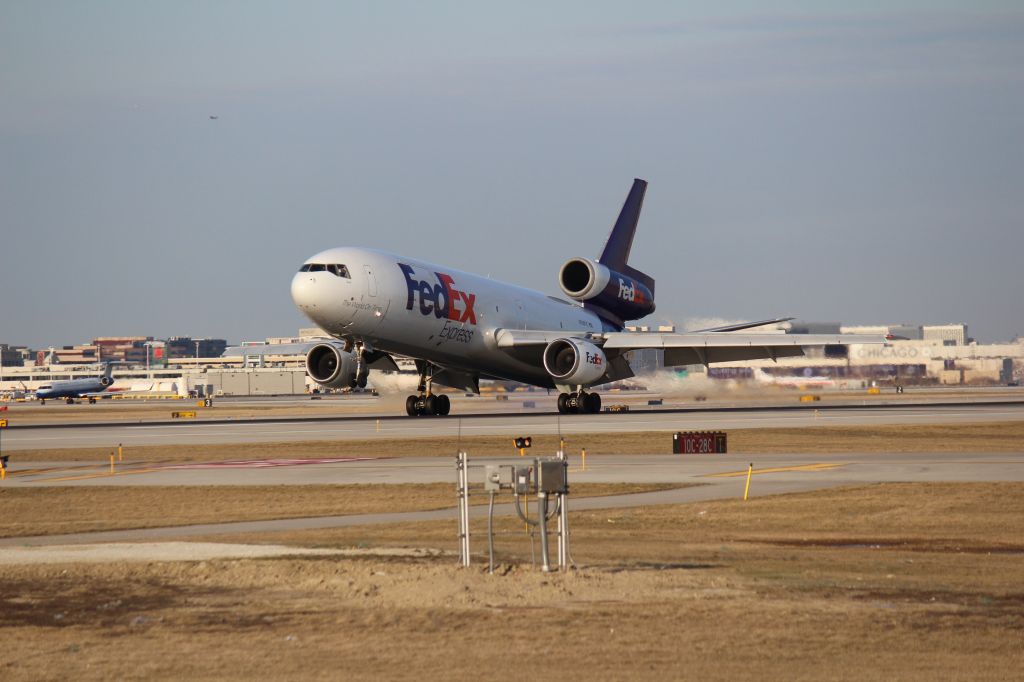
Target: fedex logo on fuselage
pixel 442 299
pixel 630 291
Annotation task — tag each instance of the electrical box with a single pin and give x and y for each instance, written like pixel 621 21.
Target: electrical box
pixel 551 476
pixel 523 484
pixel 492 478
pixel 498 477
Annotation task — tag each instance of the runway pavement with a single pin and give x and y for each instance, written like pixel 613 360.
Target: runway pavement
pixel 716 476
pixel 246 431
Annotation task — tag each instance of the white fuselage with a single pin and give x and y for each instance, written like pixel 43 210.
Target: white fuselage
pixel 408 307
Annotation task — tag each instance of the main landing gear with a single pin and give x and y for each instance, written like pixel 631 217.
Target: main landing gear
pixel 420 405
pixel 427 403
pixel 579 402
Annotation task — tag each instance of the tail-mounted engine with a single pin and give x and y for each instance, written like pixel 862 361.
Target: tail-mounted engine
pixel 331 366
pixel 620 297
pixel 106 381
pixel 575 362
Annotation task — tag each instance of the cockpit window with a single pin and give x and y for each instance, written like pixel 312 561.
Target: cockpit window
pixel 339 270
pixel 333 268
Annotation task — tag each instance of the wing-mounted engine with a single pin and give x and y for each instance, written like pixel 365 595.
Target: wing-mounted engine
pixel 331 366
pixel 575 362
pixel 610 294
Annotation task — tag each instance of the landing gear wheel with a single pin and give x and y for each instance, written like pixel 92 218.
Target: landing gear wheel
pixel 92 401
pixel 430 405
pixel 562 400
pixel 410 406
pixel 442 405
pixel 590 402
pixel 70 401
pixel 361 380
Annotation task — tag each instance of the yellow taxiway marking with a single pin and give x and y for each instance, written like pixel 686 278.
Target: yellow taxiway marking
pixel 47 470
pixel 774 470
pixel 41 472
pixel 104 474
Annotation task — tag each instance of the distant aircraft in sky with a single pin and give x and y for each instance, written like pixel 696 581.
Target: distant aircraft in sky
pixel 460 327
pixel 214 118
pixel 72 389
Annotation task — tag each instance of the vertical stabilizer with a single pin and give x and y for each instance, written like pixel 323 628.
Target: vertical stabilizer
pixel 615 255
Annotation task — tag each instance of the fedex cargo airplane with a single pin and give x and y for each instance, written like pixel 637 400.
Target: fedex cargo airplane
pixel 460 327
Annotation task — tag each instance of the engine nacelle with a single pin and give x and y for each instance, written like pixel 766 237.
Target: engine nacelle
pixel 588 281
pixel 575 362
pixel 331 366
pixel 106 381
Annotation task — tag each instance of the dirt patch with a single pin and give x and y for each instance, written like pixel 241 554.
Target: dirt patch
pixel 48 511
pixel 981 437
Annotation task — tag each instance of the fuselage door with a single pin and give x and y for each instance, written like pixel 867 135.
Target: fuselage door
pixel 371 281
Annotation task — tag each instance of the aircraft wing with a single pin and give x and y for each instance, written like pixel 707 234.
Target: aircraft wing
pixel 705 348
pixel 691 348
pixel 273 348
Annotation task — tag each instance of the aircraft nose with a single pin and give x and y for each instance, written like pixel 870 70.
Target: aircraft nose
pixel 303 291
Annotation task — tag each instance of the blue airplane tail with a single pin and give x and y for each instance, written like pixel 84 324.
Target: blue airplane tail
pixel 616 250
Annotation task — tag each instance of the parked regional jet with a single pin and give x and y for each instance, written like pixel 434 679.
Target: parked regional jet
pixel 76 388
pixel 460 327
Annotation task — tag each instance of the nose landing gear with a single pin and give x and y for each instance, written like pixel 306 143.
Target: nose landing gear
pixel 579 402
pixel 362 369
pixel 427 403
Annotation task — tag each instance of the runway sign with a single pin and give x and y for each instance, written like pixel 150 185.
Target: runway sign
pixel 698 442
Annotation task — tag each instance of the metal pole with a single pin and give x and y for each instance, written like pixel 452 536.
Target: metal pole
pixel 462 517
pixel 465 500
pixel 462 465
pixel 490 533
pixel 563 520
pixel 545 562
pixel 563 532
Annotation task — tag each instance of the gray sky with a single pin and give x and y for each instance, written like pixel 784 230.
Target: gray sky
pixel 863 166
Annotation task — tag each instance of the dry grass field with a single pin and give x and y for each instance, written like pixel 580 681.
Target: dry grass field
pixel 980 437
pixel 885 582
pixel 59 510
